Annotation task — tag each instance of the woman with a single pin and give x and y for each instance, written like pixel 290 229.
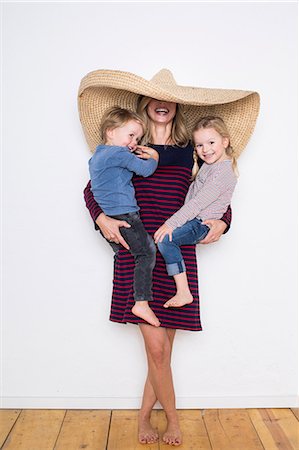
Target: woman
pixel 158 197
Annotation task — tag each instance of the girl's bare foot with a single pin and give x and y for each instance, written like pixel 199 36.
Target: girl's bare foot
pixel 173 435
pixel 141 309
pixel 179 300
pixel 146 433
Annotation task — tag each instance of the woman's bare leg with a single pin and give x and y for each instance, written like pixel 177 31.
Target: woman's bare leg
pixel 158 349
pixel 146 432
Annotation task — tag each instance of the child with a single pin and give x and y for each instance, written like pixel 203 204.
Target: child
pixel 208 198
pixel 111 171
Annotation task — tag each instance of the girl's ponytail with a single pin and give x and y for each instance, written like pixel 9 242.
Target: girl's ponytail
pixel 195 167
pixel 230 152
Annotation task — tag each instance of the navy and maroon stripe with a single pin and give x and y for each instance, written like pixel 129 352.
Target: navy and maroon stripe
pixel 158 197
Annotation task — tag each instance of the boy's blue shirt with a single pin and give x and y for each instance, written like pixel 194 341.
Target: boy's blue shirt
pixel 111 171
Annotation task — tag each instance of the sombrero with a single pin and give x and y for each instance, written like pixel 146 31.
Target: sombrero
pixel 102 89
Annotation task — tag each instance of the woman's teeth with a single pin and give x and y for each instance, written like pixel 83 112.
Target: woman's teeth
pixel 161 111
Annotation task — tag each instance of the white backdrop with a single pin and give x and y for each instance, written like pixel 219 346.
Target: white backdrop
pixel 59 348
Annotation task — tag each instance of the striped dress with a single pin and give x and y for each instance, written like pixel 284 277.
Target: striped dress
pixel 158 196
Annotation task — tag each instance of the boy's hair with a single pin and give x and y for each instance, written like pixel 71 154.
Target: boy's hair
pixel 116 117
pixel 218 125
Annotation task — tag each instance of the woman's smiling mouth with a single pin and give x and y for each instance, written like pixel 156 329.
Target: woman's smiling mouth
pixel 162 111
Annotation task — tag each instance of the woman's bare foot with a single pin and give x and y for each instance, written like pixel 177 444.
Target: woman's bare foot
pixel 180 299
pixel 146 433
pixel 141 309
pixel 173 435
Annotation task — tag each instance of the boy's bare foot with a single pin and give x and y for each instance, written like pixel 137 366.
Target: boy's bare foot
pixel 179 300
pixel 146 433
pixel 173 435
pixel 141 309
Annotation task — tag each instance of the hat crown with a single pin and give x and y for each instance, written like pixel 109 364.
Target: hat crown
pixel 102 89
pixel 164 78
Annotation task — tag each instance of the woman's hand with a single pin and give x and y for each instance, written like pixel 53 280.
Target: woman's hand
pixel 110 229
pixel 146 152
pixel 217 228
pixel 162 232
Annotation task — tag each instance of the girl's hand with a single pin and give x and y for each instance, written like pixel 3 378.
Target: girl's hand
pixel 110 229
pixel 217 228
pixel 146 152
pixel 162 232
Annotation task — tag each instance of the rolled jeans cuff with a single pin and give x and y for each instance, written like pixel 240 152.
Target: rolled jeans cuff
pixel 175 268
pixel 142 298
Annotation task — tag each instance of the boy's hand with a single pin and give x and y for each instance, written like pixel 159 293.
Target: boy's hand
pixel 162 232
pixel 146 152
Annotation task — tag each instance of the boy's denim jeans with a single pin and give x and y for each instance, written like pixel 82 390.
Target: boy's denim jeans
pixel 143 248
pixel 190 233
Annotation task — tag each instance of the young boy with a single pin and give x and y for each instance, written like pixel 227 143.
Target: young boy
pixel 111 171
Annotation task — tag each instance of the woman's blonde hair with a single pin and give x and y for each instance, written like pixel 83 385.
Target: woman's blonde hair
pixel 116 117
pixel 179 134
pixel 218 125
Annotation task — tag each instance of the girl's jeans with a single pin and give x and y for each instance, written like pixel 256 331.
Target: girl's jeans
pixel 190 233
pixel 143 248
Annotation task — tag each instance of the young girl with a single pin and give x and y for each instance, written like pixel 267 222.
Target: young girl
pixel 208 198
pixel 111 171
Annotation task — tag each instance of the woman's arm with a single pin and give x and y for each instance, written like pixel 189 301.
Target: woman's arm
pixel 217 227
pixel 227 218
pixel 92 206
pixel 108 226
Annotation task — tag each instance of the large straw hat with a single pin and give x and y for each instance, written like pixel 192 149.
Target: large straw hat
pixel 102 89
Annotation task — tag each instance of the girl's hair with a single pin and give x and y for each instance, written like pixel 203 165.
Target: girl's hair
pixel 218 125
pixel 116 117
pixel 179 134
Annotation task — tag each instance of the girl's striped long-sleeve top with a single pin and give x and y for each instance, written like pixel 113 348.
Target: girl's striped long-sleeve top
pixel 208 196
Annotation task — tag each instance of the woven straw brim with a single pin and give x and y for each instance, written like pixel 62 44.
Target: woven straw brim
pixel 102 89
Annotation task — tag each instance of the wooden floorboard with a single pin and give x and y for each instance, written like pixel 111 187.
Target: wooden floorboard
pixel 270 431
pixel 84 429
pixel 35 430
pixel 217 433
pixel 214 429
pixel 295 412
pixel 232 429
pixel 123 431
pixel 8 418
pixel 288 424
pixel 195 436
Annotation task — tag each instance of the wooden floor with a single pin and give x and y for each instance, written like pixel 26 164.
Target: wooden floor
pixel 209 429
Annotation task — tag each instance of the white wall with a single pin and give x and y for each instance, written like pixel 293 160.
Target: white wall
pixel 59 348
